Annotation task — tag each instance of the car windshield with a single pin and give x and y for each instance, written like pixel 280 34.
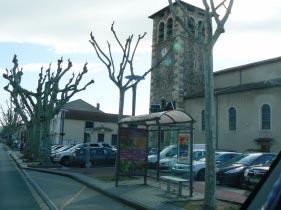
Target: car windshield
pixel 248 159
pixel 165 150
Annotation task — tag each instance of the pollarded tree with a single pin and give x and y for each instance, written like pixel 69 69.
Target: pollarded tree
pixel 9 121
pixel 217 11
pixel 117 73
pixel 40 106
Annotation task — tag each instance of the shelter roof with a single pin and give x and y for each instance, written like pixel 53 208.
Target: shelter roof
pixel 166 117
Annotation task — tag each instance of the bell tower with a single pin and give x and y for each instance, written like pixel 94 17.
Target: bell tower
pixel 181 72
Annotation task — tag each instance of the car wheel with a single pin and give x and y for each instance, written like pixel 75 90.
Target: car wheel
pixel 201 175
pixel 65 161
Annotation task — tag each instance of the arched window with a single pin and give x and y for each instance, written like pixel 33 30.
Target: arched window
pixel 265 117
pixel 191 25
pixel 232 118
pixel 203 119
pixel 161 32
pixel 170 27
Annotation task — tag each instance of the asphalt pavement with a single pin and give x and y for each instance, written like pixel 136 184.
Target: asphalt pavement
pixel 66 193
pixel 15 193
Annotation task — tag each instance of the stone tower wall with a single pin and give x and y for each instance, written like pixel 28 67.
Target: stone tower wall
pixel 181 73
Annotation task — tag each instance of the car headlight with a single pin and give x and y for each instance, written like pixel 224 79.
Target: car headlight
pixel 235 170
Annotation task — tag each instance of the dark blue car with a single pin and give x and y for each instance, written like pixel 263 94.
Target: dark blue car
pixel 98 155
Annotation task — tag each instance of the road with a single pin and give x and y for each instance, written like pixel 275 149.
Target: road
pixel 15 193
pixel 65 193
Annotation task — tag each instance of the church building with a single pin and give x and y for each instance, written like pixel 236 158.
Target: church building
pixel 247 97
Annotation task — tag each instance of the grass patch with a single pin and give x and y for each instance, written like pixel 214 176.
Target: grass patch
pixel 112 178
pixel 198 205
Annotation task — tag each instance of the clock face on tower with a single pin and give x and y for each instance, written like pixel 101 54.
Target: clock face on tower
pixel 164 51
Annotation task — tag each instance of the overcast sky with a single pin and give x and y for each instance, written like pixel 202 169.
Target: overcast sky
pixel 41 31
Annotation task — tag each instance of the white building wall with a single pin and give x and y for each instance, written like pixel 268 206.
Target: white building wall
pixel 248 119
pixel 253 74
pixel 194 107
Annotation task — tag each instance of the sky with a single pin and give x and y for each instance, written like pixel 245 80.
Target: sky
pixel 40 32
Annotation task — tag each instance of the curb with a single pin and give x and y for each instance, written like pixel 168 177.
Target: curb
pixel 36 187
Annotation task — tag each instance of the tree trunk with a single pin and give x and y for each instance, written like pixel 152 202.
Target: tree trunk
pixel 210 132
pixel 121 103
pixel 36 139
pixel 46 142
pixel 29 142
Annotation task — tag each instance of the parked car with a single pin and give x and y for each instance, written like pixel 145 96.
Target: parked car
pixel 171 151
pixel 200 165
pixel 168 163
pixel 253 174
pixel 152 151
pixel 61 149
pixel 167 152
pixel 63 156
pixel 98 155
pixel 102 144
pixel 233 174
pixel 56 147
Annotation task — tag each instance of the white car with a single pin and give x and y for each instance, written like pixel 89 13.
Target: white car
pixel 169 162
pixel 63 156
pixel 168 155
pixel 167 152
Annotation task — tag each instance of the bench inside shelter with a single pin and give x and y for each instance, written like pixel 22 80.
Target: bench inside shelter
pixel 173 179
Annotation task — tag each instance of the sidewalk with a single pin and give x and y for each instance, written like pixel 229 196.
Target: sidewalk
pixel 133 192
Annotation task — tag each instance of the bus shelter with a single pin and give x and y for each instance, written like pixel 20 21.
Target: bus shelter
pixel 132 147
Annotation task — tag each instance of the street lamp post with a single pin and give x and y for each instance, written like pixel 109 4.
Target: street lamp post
pixel 62 116
pixel 134 90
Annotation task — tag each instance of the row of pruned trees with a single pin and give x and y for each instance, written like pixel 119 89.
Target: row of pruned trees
pixel 9 121
pixel 37 108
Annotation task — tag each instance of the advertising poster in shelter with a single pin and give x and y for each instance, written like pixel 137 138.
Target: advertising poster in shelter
pixel 183 145
pixel 133 154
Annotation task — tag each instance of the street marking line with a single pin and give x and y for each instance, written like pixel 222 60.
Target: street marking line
pixel 73 197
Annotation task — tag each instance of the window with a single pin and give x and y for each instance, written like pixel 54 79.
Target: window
pixel 263 159
pixel 89 124
pixel 203 119
pixel 100 137
pixel 265 117
pixel 170 27
pixel 191 25
pixel 201 29
pixel 114 139
pixel 87 137
pixel 232 119
pixel 161 32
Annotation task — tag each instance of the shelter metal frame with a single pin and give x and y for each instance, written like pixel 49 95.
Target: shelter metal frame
pixel 171 120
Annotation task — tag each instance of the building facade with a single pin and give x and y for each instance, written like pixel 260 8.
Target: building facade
pixel 247 97
pixel 80 122
pixel 247 103
pixel 181 72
